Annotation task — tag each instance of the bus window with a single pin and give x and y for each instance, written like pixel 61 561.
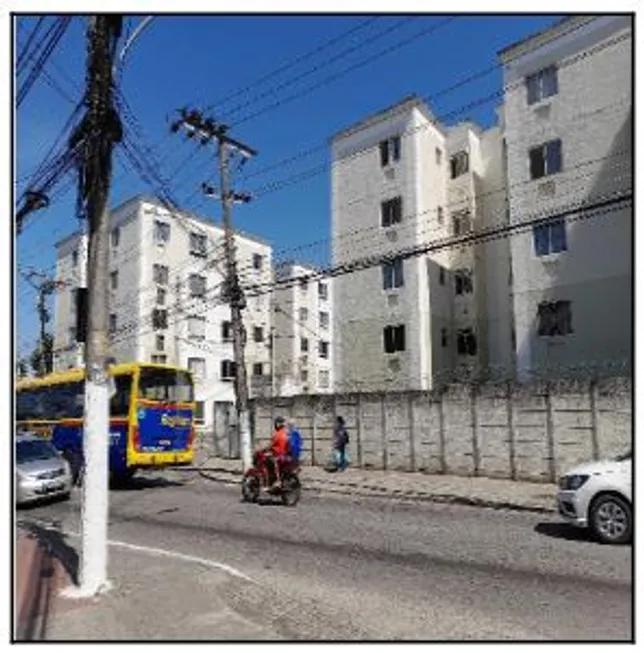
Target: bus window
pixel 158 384
pixel 120 402
pixel 66 401
pixel 30 404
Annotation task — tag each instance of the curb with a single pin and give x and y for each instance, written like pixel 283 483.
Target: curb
pixel 378 491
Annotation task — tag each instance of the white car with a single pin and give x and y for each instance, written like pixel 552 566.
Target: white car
pixel 599 496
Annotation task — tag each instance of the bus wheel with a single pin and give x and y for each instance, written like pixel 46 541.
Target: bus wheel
pixel 122 478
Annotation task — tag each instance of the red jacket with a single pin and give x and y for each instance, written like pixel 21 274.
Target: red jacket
pixel 279 442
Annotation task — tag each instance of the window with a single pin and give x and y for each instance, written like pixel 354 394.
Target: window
pixel 159 359
pixel 392 274
pixel 112 322
pixel 323 291
pixel 459 164
pixel 75 258
pixel 394 338
pixel 161 232
pixel 304 376
pixel 226 331
pixel 258 334
pixel 198 244
pixel 545 159
pixel 323 346
pixel 116 236
pixel 197 285
pixel 324 320
pixel 72 334
pixel 555 318
pixel 443 337
pixel 542 84
pixel 304 344
pixel 466 342
pixel 114 280
pixel 161 294
pixel 304 285
pixel 441 275
pixel 463 282
pixel 160 342
pixel 440 215
pixel 323 378
pixel 304 314
pixel 159 318
pixel 461 222
pixel 120 400
pixel 228 370
pixel 258 259
pixel 199 412
pixel 161 274
pixel 258 369
pixel 391 212
pixel 197 367
pixel 550 238
pixel 439 156
pixel 197 326
pixel 389 150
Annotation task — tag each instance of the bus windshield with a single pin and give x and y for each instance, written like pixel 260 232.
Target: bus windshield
pixel 160 384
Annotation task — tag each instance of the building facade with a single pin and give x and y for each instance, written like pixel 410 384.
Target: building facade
pixel 568 131
pixel 166 305
pixel 303 332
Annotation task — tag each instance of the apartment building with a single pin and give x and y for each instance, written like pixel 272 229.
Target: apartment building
pixel 568 130
pixel 400 182
pixel 166 306
pixel 303 332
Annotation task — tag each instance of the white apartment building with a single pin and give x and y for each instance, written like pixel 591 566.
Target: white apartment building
pixel 402 181
pixel 303 332
pixel 568 128
pixel 166 306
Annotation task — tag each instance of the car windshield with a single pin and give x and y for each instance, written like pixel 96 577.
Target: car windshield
pixel 30 450
pixel 625 456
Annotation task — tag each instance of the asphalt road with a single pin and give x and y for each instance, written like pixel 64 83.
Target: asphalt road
pixel 346 568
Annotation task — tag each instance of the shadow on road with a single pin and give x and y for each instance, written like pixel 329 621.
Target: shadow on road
pixel 145 483
pixel 564 531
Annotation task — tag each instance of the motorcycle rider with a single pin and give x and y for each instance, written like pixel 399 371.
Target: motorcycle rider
pixel 278 449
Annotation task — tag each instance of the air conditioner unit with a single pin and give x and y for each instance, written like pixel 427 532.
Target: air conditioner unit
pixel 390 173
pixel 392 235
pixel 547 189
pixel 392 300
pixel 394 364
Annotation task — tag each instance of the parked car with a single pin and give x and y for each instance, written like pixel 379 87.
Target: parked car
pixel 599 496
pixel 41 472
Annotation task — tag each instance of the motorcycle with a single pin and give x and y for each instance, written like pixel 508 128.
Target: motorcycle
pixel 256 480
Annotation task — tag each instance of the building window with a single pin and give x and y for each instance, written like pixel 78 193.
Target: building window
pixel 199 412
pixel 550 238
pixel 323 346
pixel 466 342
pixel 226 332
pixel 161 295
pixel 323 378
pixel 228 370
pixel 391 212
pixel 258 334
pixel 441 275
pixel 198 244
pixel 389 150
pixel 159 359
pixel 258 259
pixel 114 280
pixel 324 320
pixel 159 318
pixel 304 344
pixel 304 314
pixel 545 159
pixel 392 274
pixel 459 164
pixel 161 232
pixel 440 215
pixel 463 282
pixel 542 84
pixel 555 318
pixel 160 274
pixel 258 369
pixel 197 326
pixel 75 258
pixel 461 222
pixel 394 338
pixel 112 323
pixel 443 337
pixel 116 236
pixel 439 156
pixel 160 342
pixel 197 285
pixel 197 367
pixel 323 291
pixel 304 376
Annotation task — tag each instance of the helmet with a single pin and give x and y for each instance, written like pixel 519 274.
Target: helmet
pixel 279 422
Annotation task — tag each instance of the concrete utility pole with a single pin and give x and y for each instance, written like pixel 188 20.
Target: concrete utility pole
pixel 100 130
pixel 207 130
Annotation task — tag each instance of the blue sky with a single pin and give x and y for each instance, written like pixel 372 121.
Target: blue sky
pixel 201 61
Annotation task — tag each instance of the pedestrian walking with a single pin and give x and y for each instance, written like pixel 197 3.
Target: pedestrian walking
pixel 340 442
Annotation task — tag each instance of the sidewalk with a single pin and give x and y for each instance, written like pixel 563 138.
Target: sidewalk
pixel 474 491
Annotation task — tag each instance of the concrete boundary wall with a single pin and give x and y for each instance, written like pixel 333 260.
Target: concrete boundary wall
pixel 522 432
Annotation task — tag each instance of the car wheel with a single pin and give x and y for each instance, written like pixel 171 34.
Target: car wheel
pixel 611 519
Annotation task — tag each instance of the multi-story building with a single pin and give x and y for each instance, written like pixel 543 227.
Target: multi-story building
pixel 401 182
pixel 166 279
pixel 303 332
pixel 568 130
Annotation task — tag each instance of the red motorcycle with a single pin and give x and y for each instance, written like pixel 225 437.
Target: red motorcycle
pixel 257 479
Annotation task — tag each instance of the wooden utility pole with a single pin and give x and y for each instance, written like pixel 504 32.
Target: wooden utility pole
pixel 209 131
